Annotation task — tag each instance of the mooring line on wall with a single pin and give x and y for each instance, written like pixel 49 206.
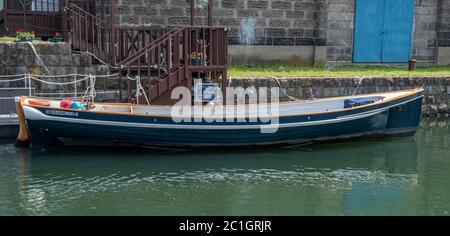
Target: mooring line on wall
pixel 90 90
pixel 281 88
pixel 38 57
pixel 98 59
pixel 359 83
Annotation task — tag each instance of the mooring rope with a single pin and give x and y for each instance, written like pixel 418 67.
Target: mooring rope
pixel 59 83
pixel 90 92
pixel 282 89
pixel 98 59
pixel 139 88
pixel 58 76
pixel 38 57
pixel 359 83
pixel 229 81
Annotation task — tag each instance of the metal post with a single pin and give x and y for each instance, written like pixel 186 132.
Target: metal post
pixel 75 84
pixel 102 10
pixel 5 20
pixel 192 13
pixel 113 4
pixel 210 9
pixel 113 32
pixel 138 89
pixel 65 25
pixel 29 85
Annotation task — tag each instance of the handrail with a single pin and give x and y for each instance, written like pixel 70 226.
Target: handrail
pixel 168 35
pixel 88 33
pixel 129 40
pixel 163 57
pixel 110 44
pixel 72 5
pixel 151 46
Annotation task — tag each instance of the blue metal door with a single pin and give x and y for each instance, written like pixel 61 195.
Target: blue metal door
pixel 383 30
pixel 368 31
pixel 398 22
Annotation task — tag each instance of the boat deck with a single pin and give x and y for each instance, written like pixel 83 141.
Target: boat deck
pixel 284 108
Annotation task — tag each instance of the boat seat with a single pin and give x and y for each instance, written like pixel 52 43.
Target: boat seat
pixel 124 109
pixel 356 102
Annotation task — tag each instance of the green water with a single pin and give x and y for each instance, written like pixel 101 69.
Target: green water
pixel 400 177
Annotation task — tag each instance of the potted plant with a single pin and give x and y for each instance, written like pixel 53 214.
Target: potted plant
pixel 24 36
pixel 196 58
pixel 58 38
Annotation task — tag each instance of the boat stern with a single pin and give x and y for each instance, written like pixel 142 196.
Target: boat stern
pixel 404 118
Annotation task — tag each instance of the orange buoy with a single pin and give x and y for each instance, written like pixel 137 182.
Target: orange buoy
pixel 22 139
pixel 38 103
pixel 66 103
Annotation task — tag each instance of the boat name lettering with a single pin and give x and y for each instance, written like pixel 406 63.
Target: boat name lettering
pixel 61 113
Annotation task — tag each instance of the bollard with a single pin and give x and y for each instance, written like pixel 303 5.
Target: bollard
pixel 22 139
pixel 412 65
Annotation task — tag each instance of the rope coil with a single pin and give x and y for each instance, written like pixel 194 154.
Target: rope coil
pixel 139 89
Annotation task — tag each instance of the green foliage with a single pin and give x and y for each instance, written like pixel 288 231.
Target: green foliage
pixel 24 36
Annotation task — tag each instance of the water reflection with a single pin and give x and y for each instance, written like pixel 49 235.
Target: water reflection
pixel 406 176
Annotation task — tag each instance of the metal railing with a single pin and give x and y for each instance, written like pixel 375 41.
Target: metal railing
pixel 110 44
pixel 165 57
pixel 175 56
pixel 88 33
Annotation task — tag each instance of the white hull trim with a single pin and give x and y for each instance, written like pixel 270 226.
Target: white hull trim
pixel 34 114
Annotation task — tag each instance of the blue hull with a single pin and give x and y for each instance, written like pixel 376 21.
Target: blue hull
pixel 392 121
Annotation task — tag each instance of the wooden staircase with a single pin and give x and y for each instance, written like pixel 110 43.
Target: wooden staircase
pixel 161 58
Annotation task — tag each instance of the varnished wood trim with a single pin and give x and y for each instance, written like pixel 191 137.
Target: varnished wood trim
pixel 407 94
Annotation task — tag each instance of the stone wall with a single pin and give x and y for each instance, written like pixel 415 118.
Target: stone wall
pixel 436 100
pixel 340 25
pixel 276 22
pixel 293 23
pixel 443 57
pixel 19 58
pixel 444 23
pixel 425 31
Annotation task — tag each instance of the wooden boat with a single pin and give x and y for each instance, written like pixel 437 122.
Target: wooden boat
pixel 368 116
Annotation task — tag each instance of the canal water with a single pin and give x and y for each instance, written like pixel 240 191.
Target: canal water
pixel 399 177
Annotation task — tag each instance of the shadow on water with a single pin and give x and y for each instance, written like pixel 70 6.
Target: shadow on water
pixel 358 178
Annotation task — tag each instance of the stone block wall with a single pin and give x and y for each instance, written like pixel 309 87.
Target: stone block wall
pixel 19 58
pixel 340 28
pixel 275 22
pixel 437 89
pixel 425 30
pixel 444 23
pixel 293 22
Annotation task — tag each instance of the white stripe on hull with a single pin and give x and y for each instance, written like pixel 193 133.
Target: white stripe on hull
pixel 34 114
